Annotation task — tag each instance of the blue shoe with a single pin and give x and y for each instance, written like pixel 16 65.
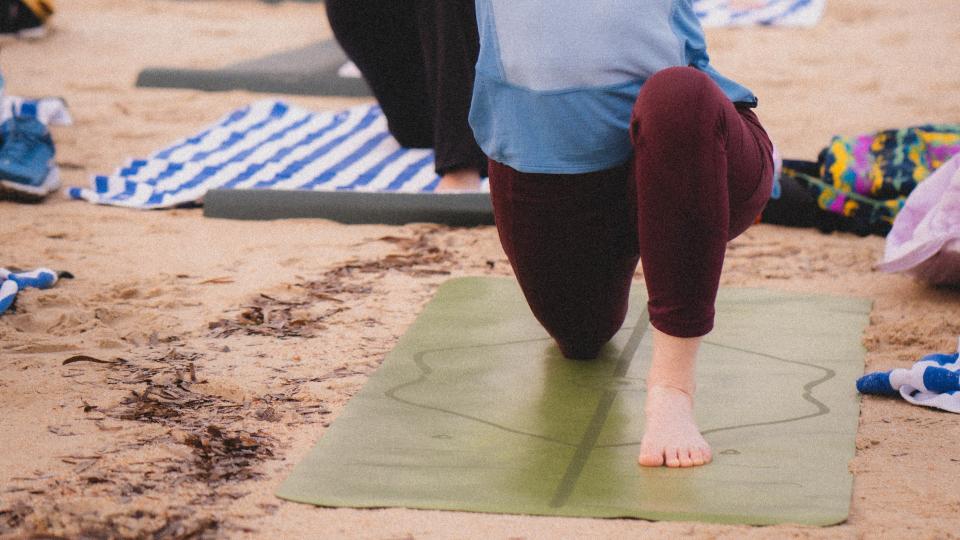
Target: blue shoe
pixel 27 171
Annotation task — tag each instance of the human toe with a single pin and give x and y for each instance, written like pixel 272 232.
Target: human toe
pixel 648 459
pixel 672 456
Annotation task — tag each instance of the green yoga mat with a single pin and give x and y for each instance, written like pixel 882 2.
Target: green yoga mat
pixel 475 409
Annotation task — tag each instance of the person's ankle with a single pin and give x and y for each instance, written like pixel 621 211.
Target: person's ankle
pixel 674 362
pixel 667 399
pixel 688 391
pixel 460 180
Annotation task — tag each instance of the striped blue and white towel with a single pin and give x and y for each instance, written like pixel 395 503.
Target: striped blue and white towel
pixel 271 145
pixel 934 381
pixel 715 13
pixel 13 282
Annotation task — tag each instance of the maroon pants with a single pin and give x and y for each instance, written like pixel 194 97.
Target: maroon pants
pixel 700 174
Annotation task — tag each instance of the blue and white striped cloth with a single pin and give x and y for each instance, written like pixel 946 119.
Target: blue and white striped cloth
pixel 934 381
pixel 271 145
pixel 715 13
pixel 13 282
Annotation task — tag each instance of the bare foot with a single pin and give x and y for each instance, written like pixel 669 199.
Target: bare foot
pixel 671 436
pixel 460 180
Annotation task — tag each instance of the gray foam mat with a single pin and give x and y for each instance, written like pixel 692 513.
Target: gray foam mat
pixel 309 70
pixel 351 207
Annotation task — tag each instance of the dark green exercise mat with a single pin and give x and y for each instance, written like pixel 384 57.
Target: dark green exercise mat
pixel 309 70
pixel 476 410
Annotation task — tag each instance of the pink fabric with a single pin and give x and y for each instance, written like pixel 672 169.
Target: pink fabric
pixel 925 239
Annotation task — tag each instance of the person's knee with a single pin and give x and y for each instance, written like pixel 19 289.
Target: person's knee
pixel 677 86
pixel 585 340
pixel 580 347
pixel 580 351
pixel 676 106
pixel 677 78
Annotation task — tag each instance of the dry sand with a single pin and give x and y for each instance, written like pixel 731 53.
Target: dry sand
pixel 233 407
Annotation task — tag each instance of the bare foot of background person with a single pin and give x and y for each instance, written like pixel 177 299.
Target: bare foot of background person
pixel 460 180
pixel 671 436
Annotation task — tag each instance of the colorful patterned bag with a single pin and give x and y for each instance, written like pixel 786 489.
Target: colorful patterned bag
pixel 867 178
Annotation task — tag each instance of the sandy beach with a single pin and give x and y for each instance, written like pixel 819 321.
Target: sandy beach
pixel 175 302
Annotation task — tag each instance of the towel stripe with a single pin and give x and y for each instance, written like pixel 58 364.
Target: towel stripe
pixel 270 145
pixel 716 13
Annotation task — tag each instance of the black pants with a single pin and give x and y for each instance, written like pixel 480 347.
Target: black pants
pixel 418 58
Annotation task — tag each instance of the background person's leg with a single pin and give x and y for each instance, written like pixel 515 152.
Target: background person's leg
pixel 451 44
pixel 418 58
pixel 383 39
pixel 571 240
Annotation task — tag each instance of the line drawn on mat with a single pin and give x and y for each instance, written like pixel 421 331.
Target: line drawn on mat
pixel 592 433
pixel 589 440
pixel 807 395
pixel 426 370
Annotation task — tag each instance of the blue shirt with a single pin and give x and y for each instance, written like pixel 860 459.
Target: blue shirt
pixel 556 80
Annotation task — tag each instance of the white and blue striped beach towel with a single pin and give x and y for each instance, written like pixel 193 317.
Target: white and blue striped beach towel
pixel 934 381
pixel 13 282
pixel 716 13
pixel 271 145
